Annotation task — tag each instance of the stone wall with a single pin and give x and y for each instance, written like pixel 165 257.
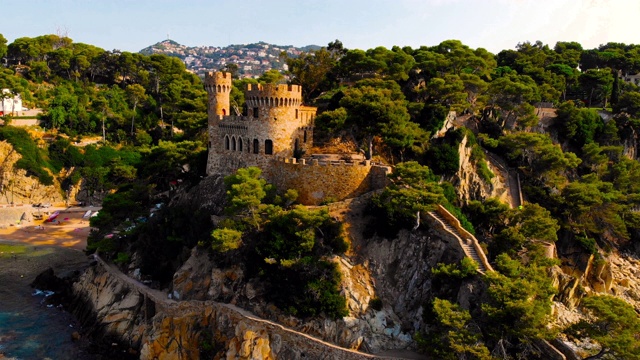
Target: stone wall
pixel 276 124
pixel 325 181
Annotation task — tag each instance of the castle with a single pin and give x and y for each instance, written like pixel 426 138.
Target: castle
pixel 273 135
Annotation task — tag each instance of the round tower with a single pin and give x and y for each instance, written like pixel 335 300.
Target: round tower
pixel 218 86
pixel 277 109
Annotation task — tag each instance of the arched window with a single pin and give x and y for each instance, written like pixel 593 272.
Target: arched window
pixel 296 146
pixel 224 112
pixel 233 143
pixel 296 113
pixel 305 136
pixel 219 88
pixel 268 147
pixel 239 144
pixel 256 146
pixel 226 143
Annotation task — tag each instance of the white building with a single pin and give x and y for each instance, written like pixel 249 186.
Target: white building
pixel 11 104
pixel 634 79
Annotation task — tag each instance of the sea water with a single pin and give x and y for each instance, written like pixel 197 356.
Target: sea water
pixel 31 329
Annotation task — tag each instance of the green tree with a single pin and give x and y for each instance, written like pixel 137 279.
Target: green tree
pixel 453 334
pixel 313 71
pixel 579 126
pixel 414 189
pixel 519 305
pixel 597 83
pixel 615 325
pixel 543 159
pixel 629 103
pixel 3 47
pixel 225 239
pixel 136 94
pixel 272 76
pixel 373 106
pixel 245 191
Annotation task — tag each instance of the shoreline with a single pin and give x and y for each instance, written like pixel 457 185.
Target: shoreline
pixel 26 251
pixel 70 232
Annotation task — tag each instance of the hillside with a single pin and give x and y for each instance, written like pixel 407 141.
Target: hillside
pixel 508 226
pixel 252 59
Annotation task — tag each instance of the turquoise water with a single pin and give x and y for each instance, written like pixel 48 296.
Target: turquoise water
pixel 31 330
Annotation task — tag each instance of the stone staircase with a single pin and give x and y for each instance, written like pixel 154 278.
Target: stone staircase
pixel 467 242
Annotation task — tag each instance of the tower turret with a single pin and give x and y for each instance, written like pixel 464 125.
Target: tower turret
pixel 218 86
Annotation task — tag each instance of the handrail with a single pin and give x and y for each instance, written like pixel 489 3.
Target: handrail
pixel 455 223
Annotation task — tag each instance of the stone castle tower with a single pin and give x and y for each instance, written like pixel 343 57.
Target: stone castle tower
pixel 276 125
pixel 273 134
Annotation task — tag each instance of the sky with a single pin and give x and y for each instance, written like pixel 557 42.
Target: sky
pixel 131 25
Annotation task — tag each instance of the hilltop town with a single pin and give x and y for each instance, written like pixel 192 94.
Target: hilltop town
pixel 252 59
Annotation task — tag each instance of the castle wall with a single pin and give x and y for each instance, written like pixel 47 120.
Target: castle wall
pixel 277 126
pixel 325 181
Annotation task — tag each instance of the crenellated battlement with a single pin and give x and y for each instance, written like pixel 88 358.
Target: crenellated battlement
pixel 319 162
pixel 277 126
pixel 215 77
pixel 270 95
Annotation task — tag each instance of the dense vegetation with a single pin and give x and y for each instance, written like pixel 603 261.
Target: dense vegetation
pixel 577 169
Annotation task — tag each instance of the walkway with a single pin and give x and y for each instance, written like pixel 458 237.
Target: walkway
pixel 512 178
pixel 168 305
pixel 466 240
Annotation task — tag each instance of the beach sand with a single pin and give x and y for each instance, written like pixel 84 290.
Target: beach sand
pixel 25 252
pixel 71 232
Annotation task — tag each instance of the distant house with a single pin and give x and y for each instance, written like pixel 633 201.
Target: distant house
pixel 11 104
pixel 634 79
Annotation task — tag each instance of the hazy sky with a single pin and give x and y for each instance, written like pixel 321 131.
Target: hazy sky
pixel 131 25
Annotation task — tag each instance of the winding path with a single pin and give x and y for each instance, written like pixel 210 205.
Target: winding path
pixel 512 178
pixel 169 307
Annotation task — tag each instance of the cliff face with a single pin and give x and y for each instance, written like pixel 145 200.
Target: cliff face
pixel 471 186
pixel 397 272
pixel 17 187
pixel 122 310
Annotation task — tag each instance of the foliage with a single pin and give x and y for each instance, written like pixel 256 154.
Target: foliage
pixel 34 160
pixel 224 239
pixel 614 325
pixel 520 300
pixel 466 268
pixel 544 160
pixel 414 189
pixel 452 334
pixel 287 248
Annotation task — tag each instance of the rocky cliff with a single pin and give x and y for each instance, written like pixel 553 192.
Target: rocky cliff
pixel 471 186
pixel 18 188
pixel 122 310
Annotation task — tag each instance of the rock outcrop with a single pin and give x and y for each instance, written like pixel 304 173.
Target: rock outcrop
pixel 123 310
pixel 471 186
pixel 18 188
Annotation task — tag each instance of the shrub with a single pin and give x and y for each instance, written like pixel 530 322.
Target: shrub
pixel 225 239
pixel 375 303
pixel 467 267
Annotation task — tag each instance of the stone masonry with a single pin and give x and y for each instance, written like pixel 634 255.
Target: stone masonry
pixel 273 135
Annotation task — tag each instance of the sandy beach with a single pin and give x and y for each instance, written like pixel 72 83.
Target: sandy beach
pixel 71 231
pixel 26 250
